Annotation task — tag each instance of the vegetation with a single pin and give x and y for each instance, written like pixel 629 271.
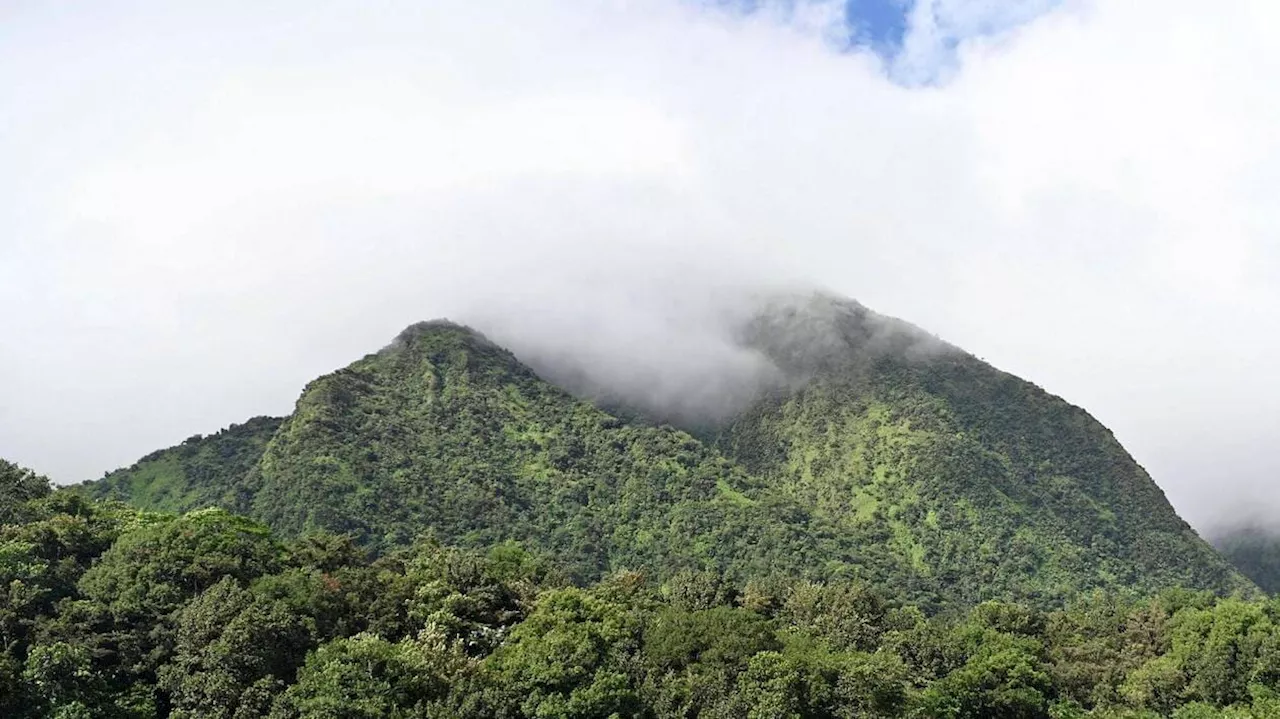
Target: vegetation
pixel 887 458
pixel 194 474
pixel 962 476
pixel 896 530
pixel 447 432
pixel 108 611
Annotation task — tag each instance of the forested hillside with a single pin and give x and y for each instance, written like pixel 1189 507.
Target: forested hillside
pixel 964 476
pixel 445 431
pixel 116 613
pixel 895 529
pixel 197 473
pixel 881 454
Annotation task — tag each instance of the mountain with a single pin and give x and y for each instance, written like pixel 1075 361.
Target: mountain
pixel 1254 549
pixel 445 431
pixel 971 478
pixel 197 473
pixel 880 454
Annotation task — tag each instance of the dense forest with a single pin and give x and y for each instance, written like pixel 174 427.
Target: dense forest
pixel 110 611
pixel 890 528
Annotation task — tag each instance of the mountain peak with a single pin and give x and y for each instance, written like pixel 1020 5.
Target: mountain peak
pixel 812 333
pixel 435 330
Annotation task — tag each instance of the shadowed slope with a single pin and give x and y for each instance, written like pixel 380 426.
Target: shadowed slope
pixel 1254 549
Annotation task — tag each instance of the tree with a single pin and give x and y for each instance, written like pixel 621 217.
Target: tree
pixel 367 677
pixel 568 658
pixel 155 568
pixel 235 649
pixel 1004 678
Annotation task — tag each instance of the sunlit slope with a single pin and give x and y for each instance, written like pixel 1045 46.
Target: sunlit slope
pixel 972 480
pixel 200 472
pixel 445 432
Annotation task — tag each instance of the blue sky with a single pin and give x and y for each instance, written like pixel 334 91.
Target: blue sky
pixel 917 39
pixel 878 23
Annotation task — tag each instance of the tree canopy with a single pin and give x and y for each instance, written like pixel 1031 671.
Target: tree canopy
pixel 113 612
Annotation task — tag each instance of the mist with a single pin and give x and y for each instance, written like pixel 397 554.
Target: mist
pixel 673 353
pixel 695 352
pixel 205 208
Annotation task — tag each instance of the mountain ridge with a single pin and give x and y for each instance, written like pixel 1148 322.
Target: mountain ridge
pixel 915 427
pixel 884 454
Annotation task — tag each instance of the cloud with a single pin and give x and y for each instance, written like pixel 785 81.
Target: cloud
pixel 936 28
pixel 207 207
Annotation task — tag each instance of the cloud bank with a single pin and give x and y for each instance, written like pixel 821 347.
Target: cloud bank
pixel 206 207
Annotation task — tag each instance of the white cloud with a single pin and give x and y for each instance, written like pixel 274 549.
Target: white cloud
pixel 936 28
pixel 206 208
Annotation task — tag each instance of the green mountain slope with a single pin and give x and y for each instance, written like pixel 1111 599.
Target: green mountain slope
pixel 967 477
pixel 886 456
pixel 447 432
pixel 197 473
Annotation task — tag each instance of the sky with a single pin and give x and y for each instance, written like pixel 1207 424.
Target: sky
pixel 204 206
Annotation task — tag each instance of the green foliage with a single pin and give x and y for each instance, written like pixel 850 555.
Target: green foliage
pixel 568 658
pixel 235 648
pixel 59 675
pixel 200 472
pixel 119 614
pixel 809 681
pixel 961 483
pixel 1004 678
pixel 17 486
pixel 367 677
pixel 153 569
pixel 469 598
pixel 901 531
pixel 846 616
pixel 692 659
pixel 447 432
